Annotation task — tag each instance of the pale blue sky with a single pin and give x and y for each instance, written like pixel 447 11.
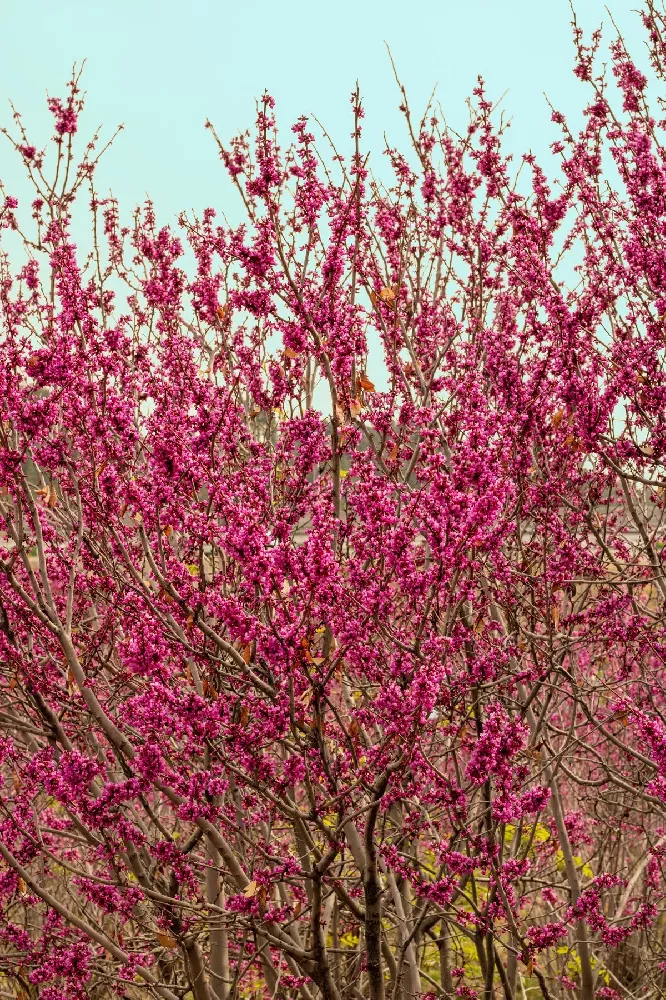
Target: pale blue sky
pixel 161 68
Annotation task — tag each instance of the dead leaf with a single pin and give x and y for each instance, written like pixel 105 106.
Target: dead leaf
pixel 168 531
pixel 373 297
pixel 305 697
pixel 558 417
pixel 262 897
pixel 251 890
pixel 387 295
pixel 339 414
pixel 244 716
pixel 355 407
pixel 166 940
pixel 209 690
pixel 247 653
pixel 354 729
pixel 16 782
pixel 22 887
pixel 365 383
pixel 555 615
pixel 289 352
pixel 49 494
pixel 297 909
pixel 305 646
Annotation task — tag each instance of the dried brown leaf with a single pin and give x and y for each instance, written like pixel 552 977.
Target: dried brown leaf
pixel 166 940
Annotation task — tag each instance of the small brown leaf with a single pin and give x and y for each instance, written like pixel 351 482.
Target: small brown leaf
pixel 22 887
pixel 251 890
pixel 558 417
pixel 247 652
pixel 305 697
pixel 339 414
pixel 168 531
pixel 387 295
pixel 555 615
pixel 166 940
pixel 365 383
pixel 354 729
pixel 289 352
pixel 70 680
pixel 244 716
pixel 355 407
pixel 373 297
pixel 298 908
pixel 16 781
pixel 262 897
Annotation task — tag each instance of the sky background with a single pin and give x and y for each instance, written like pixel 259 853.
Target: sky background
pixel 162 68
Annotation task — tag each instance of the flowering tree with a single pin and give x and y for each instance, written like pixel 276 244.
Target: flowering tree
pixel 310 690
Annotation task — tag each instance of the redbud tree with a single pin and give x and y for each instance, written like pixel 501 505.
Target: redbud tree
pixel 332 585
